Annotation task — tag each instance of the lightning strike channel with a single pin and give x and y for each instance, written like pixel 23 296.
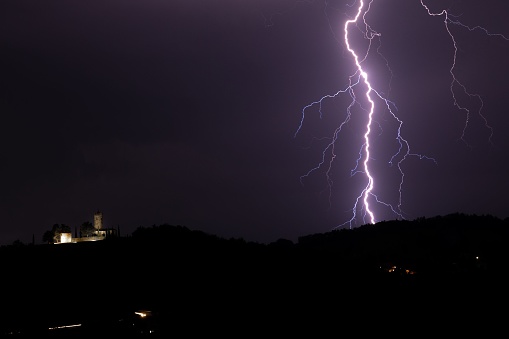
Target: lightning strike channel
pixel 452 19
pixel 358 80
pixel 369 187
pixel 367 99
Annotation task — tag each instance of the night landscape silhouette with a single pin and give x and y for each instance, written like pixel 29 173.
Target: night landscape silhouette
pixel 255 168
pixel 191 283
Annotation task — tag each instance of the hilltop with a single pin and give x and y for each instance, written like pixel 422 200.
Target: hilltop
pixel 184 274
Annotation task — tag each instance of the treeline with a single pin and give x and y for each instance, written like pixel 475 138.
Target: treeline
pixel 444 243
pixel 424 245
pixel 452 243
pixel 187 275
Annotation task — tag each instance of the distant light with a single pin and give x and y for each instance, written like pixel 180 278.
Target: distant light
pixel 142 314
pixel 65 238
pixel 64 326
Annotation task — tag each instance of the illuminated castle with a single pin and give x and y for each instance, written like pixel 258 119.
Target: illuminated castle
pixel 99 232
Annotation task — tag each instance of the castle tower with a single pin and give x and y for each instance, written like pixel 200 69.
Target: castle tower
pixel 98 220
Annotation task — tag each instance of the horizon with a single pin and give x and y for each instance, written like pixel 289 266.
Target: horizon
pixel 250 119
pixel 296 240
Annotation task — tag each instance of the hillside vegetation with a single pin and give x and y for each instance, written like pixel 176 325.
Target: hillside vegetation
pixel 185 275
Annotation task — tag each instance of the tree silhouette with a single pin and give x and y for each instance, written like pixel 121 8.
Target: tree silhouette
pixel 53 235
pixel 87 229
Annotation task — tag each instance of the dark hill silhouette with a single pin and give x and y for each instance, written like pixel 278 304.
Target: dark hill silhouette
pixel 456 242
pixel 186 277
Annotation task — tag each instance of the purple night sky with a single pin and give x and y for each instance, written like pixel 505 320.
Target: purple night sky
pixel 185 113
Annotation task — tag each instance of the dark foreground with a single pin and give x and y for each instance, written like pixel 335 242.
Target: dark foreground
pixel 197 285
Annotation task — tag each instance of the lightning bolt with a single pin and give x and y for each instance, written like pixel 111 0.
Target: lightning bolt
pixel 369 187
pixel 370 102
pixel 448 20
